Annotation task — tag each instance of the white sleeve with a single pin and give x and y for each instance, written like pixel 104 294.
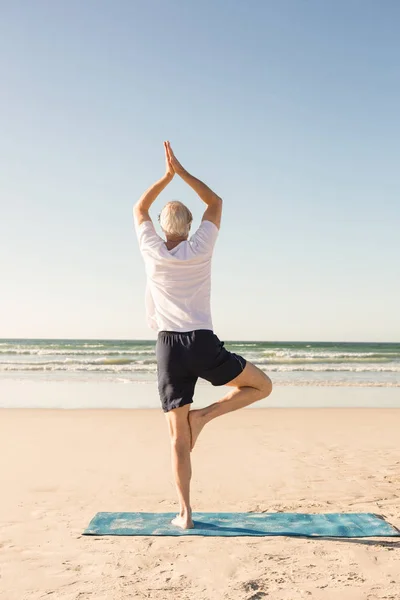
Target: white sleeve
pixel 203 240
pixel 147 236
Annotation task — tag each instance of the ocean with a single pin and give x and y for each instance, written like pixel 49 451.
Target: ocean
pixel 125 361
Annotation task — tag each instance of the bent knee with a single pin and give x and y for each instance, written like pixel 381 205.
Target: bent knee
pixel 263 384
pixel 266 387
pixel 255 378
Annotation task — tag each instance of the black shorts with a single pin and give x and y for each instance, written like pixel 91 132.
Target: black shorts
pixel 184 357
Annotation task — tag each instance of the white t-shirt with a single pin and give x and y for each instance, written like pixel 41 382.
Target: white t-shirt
pixel 178 286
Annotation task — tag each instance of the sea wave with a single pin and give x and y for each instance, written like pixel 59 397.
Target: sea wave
pixel 113 360
pixel 73 352
pixel 72 367
pixel 337 368
pixel 150 365
pixel 291 355
pixel 260 357
pixel 321 360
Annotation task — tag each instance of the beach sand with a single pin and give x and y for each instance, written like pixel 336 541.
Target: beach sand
pixel 60 467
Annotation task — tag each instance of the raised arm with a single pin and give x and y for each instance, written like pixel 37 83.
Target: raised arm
pixel 141 208
pixel 214 202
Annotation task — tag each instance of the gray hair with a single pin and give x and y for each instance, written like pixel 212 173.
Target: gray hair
pixel 176 219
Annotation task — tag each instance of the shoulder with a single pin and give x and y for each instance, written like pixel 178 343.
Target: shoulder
pixel 208 227
pixel 203 240
pixel 146 234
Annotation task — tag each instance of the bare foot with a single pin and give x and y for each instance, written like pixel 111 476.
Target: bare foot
pixel 184 522
pixel 196 423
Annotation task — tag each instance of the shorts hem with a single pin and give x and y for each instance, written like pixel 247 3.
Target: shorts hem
pixel 242 362
pixel 167 408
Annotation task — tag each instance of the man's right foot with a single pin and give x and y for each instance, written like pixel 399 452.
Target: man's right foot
pixel 196 424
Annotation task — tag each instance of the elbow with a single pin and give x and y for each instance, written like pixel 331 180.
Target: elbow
pixel 217 200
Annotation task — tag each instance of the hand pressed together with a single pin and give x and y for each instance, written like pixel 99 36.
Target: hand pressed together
pixel 170 172
pixel 172 161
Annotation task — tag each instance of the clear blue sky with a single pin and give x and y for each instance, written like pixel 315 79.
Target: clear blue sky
pixel 289 110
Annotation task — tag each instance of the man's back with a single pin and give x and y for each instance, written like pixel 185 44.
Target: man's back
pixel 178 280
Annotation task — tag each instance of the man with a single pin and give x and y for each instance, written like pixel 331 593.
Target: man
pixel 178 308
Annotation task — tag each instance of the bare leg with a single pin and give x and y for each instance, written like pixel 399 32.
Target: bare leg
pixel 251 385
pixel 181 464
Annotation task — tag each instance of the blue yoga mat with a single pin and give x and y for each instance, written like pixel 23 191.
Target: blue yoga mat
pixel 240 524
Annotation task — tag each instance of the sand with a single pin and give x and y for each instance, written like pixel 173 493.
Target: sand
pixel 60 467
